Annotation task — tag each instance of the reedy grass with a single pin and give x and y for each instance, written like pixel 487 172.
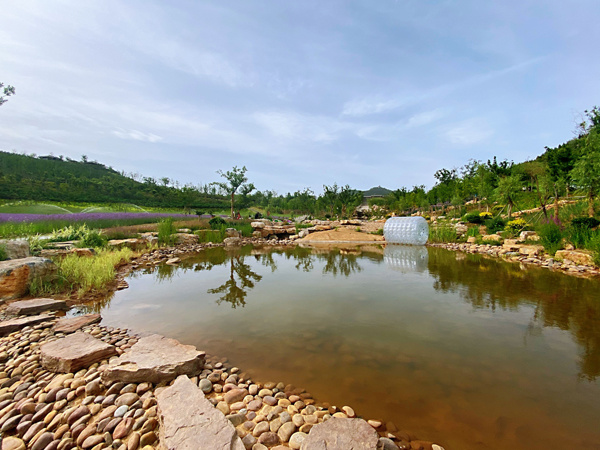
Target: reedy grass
pixel 84 274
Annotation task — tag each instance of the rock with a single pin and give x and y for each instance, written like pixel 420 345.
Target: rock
pixel 492 237
pixel 12 443
pixel 155 359
pixel 173 261
pixel 577 257
pixel 268 439
pixel 17 274
pixel 232 241
pixel 15 248
pixel 530 250
pixel 235 395
pixel 74 352
pixel 205 385
pixel 186 418
pixel 121 410
pixel 285 431
pixel 387 444
pixel 69 325
pixel 232 232
pixel 35 306
pixel 133 244
pixel 187 238
pixel 342 434
pixel 8 326
pixel 528 235
pixel 297 439
pixel 127 399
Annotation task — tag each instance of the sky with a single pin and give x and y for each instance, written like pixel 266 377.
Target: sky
pixel 303 93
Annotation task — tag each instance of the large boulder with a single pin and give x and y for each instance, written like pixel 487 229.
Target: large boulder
pixel 341 434
pixel 580 258
pixel 16 275
pixel 155 359
pixel 188 421
pixel 74 352
pixel 187 238
pixel 15 248
pixel 132 243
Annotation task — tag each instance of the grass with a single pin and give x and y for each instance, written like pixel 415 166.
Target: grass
pixel 166 232
pixel 550 237
pixel 442 234
pixel 83 274
pixel 3 254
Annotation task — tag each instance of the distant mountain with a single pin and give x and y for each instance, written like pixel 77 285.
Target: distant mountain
pixel 51 178
pixel 376 192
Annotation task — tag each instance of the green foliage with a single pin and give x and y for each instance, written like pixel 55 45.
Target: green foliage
pixel 86 236
pixel 495 224
pixel 166 232
pixel 593 244
pixel 516 226
pixel 473 217
pixel 442 234
pixel 217 222
pixel 550 237
pixel 578 235
pixel 585 222
pixel 84 274
pixel 473 232
pixel 215 236
pixel 7 91
pixel 3 254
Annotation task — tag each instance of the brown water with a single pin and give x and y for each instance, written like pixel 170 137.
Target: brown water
pixel 469 352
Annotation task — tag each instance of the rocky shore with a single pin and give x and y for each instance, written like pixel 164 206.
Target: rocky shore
pixel 56 396
pixel 569 262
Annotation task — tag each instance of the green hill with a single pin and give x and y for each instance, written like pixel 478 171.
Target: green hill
pixel 50 178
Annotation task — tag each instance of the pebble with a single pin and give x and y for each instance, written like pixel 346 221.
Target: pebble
pixel 121 410
pixel 205 385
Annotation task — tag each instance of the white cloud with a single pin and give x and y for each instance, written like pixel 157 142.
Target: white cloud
pixel 295 126
pixel 469 132
pixel 425 118
pixel 137 135
pixel 365 107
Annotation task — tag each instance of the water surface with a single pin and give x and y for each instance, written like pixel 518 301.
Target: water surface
pixel 470 352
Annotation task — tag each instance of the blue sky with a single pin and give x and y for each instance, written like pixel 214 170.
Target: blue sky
pixel 364 93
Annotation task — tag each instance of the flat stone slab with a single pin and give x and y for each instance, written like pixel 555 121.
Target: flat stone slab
pixel 35 306
pixel 341 434
pixel 8 326
pixel 74 352
pixel 188 421
pixel 155 359
pixel 71 324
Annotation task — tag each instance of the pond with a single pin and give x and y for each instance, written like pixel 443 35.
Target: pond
pixel 470 352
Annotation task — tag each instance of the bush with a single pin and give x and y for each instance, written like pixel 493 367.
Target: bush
pixel 485 215
pixel 593 244
pixel 585 222
pixel 516 226
pixel 93 239
pixel 216 223
pixel 473 217
pixel 494 225
pixel 166 232
pixel 550 237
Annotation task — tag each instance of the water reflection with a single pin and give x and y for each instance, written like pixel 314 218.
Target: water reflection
pixel 406 258
pixel 563 302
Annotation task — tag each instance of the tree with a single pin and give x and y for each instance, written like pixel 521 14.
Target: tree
pixel 586 173
pixel 236 178
pixel 6 92
pixel 507 190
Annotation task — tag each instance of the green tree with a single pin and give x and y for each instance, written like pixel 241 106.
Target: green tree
pixel 7 91
pixel 507 190
pixel 236 179
pixel 586 173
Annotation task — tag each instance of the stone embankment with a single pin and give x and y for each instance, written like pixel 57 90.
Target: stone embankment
pixel 567 261
pixel 72 383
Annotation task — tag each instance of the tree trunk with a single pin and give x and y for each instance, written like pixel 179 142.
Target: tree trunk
pixel 591 204
pixel 555 202
pixel 232 194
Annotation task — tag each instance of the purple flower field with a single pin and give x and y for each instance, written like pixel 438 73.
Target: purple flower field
pixel 80 217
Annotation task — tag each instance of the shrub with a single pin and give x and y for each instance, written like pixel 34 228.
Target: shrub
pixel 579 235
pixel 472 232
pixel 516 226
pixel 593 244
pixel 485 215
pixel 585 222
pixel 93 238
pixel 216 223
pixel 550 237
pixel 494 225
pixel 166 232
pixel 473 217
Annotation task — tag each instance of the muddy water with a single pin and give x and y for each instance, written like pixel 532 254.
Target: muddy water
pixel 469 352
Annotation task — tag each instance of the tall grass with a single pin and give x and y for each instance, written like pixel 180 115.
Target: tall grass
pixel 166 232
pixel 84 274
pixel 442 234
pixel 3 254
pixel 550 237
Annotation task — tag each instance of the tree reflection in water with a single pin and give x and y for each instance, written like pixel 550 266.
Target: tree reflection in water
pixel 559 301
pixel 241 280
